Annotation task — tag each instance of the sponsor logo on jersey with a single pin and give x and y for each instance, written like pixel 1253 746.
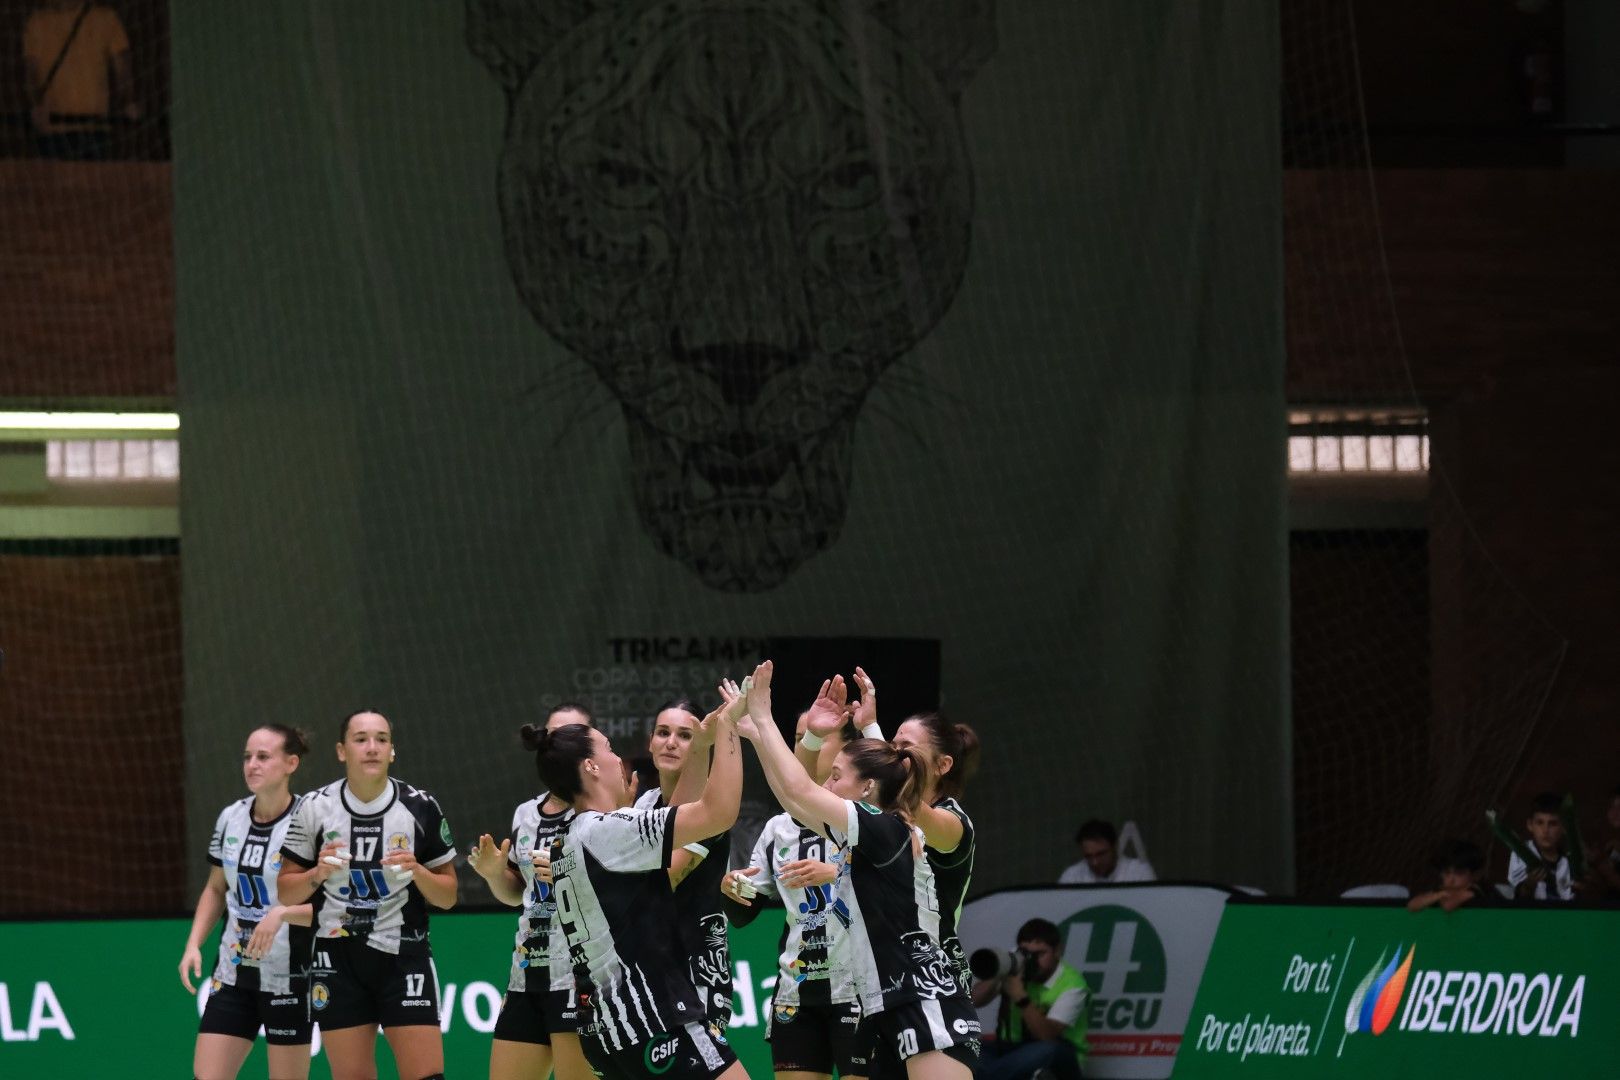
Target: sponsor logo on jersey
pixel 399 842
pixel 284 1001
pixel 659 1056
pixel 319 995
pixel 785 1013
pixel 444 830
pixel 1123 959
pixel 332 834
pixel 232 841
pixel 965 1027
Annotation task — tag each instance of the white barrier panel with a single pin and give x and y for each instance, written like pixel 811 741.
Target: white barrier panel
pixel 1141 947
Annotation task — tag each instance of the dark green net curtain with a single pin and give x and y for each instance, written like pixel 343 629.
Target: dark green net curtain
pixel 589 349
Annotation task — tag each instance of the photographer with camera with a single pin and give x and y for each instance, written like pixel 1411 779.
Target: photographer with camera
pixel 1041 1024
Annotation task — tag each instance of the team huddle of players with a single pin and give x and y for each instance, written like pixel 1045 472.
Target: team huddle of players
pixel 619 966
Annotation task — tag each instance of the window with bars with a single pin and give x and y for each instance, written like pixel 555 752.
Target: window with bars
pixel 1358 442
pixel 112 460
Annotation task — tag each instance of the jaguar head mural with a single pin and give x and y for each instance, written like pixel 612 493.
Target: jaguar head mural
pixel 739 213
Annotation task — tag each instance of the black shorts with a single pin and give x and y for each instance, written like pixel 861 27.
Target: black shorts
pixel 691 1052
pixel 817 1038
pixel 362 985
pixel 241 1009
pixel 900 1032
pixel 534 1016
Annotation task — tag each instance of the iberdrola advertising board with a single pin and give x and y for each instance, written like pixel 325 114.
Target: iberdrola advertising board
pixel 1303 991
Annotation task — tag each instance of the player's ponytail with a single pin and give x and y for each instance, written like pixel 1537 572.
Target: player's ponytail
pixel 918 774
pixel 558 755
pixel 899 776
pixel 293 740
pixel 958 742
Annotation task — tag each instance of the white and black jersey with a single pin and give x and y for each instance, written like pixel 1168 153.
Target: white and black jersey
pixel 249 854
pixel 894 909
pixel 953 870
pixel 616 908
pixel 700 906
pixel 533 830
pixel 813 965
pixel 370 902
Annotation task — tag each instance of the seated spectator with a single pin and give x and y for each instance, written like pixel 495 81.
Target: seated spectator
pixel 1101 862
pixel 1041 1023
pixel 77 65
pixel 1549 880
pixel 1461 864
pixel 1603 856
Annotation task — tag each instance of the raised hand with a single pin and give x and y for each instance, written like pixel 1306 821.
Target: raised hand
pixel 829 711
pixel 758 694
pixel 865 710
pixel 732 700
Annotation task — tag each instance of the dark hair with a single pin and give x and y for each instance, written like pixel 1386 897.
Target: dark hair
pixel 900 775
pixel 646 772
pixel 293 740
pixel 1096 829
pixel 1043 930
pixel 684 704
pixel 958 741
pixel 557 756
pixel 571 706
pixel 1460 855
pixel 343 733
pixel 1548 802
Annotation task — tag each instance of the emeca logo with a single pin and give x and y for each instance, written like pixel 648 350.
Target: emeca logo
pixel 1463 1002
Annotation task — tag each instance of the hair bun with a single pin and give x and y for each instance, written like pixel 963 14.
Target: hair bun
pixel 533 736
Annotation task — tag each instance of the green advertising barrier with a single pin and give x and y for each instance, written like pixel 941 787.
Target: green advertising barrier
pixel 1361 991
pixel 77 996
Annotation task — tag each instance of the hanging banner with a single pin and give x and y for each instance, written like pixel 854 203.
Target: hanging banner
pixel 1141 948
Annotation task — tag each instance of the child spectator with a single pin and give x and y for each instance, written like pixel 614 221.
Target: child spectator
pixel 1460 865
pixel 1550 879
pixel 1604 856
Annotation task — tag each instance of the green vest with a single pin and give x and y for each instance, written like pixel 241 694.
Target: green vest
pixel 1042 995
